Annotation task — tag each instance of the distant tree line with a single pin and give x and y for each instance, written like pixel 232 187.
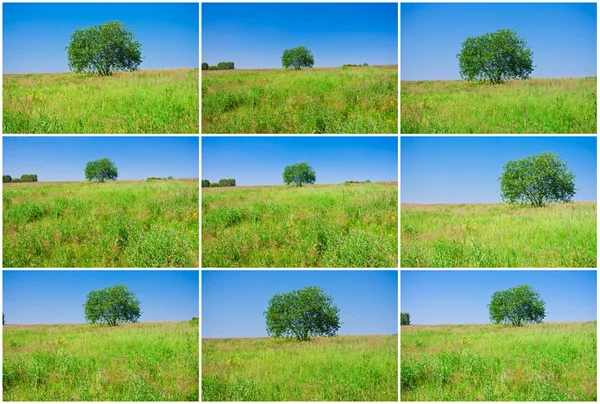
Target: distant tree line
pixel 159 179
pixel 24 178
pixel 219 66
pixel 225 182
pixel 351 65
pixel 357 182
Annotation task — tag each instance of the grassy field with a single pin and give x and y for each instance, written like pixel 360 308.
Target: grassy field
pixel 116 224
pixel 147 101
pixel 498 235
pixel 133 362
pixel 348 368
pixel 542 362
pixel 325 100
pixel 312 226
pixel 532 106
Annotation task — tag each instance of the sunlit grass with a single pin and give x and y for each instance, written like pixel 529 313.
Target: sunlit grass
pixel 332 100
pixel 498 235
pixel 542 362
pixel 347 368
pixel 117 224
pixel 532 106
pixel 147 101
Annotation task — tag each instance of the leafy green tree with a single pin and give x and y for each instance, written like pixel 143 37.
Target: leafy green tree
pixel 29 178
pixel 225 65
pixel 297 58
pixel 6 178
pixel 205 183
pixel 302 314
pixel 404 319
pixel 111 306
pixel 537 180
pixel 495 57
pixel 103 49
pixel 227 182
pixel 213 68
pixel 204 66
pixel 101 170
pixel 214 185
pixel 3 320
pixel 299 174
pixel 517 306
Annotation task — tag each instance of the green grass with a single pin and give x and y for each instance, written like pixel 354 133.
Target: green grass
pixel 147 101
pixel 532 106
pixel 542 362
pixel 348 368
pixel 498 235
pixel 117 224
pixel 135 362
pixel 311 226
pixel 332 100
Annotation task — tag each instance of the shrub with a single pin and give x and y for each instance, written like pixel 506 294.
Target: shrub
pixel 213 68
pixel 214 185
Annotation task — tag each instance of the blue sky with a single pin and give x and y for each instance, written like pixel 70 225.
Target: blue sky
pixel 466 169
pixel 233 302
pixel 64 158
pixel 254 35
pixel 461 297
pixel 56 297
pixel 35 34
pixel 261 160
pixel 562 36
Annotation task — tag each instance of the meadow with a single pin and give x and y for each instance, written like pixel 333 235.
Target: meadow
pixel 344 225
pixel 541 362
pixel 342 368
pixel 320 100
pixel 116 224
pixel 498 235
pixel 146 101
pixel 131 362
pixel 565 105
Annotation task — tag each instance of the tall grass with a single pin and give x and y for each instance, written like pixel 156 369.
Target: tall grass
pixel 136 362
pixel 147 101
pixel 336 100
pixel 119 224
pixel 312 226
pixel 530 106
pixel 498 235
pixel 348 368
pixel 542 362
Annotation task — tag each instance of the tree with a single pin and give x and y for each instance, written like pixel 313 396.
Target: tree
pixel 214 185
pixel 495 57
pixel 225 65
pixel 111 306
pixel 297 58
pixel 101 170
pixel 103 49
pixel 537 180
pixel 205 183
pixel 299 174
pixel 227 182
pixel 404 319
pixel 29 178
pixel 302 314
pixel 213 68
pixel 6 178
pixel 3 321
pixel 204 66
pixel 517 306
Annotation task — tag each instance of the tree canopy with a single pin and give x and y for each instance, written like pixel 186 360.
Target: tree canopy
pixel 537 180
pixel 517 306
pixel 495 57
pixel 299 174
pixel 111 306
pixel 404 319
pixel 101 170
pixel 103 49
pixel 302 314
pixel 297 58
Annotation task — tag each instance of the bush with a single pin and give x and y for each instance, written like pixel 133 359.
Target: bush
pixel 204 66
pixel 205 183
pixel 214 185
pixel 6 178
pixel 16 180
pixel 213 68
pixel 404 319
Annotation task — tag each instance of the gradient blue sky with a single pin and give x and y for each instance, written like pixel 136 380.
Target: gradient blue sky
pixel 466 169
pixel 461 297
pixel 261 160
pixel 56 297
pixel 562 36
pixel 35 34
pixel 64 158
pixel 233 302
pixel 254 35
